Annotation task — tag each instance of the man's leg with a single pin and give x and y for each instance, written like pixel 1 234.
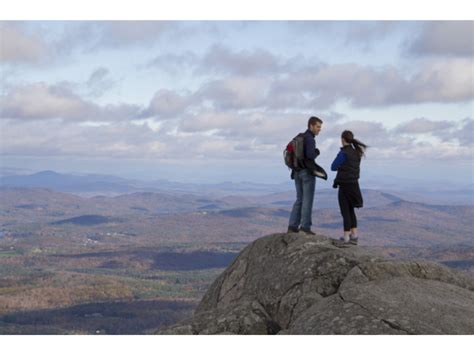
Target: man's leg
pixel 309 183
pixel 295 216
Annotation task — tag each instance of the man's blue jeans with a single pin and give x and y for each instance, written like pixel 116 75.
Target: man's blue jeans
pixel 305 183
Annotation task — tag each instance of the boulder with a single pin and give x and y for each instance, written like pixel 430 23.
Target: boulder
pixel 299 284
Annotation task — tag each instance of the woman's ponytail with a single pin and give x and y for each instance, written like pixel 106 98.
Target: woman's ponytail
pixel 358 145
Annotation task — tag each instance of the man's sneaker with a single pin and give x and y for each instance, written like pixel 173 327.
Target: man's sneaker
pixel 353 240
pixel 307 231
pixel 293 230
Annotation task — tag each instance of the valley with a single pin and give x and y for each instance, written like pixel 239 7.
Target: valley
pixel 75 264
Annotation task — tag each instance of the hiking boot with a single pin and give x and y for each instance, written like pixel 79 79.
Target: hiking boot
pixel 307 231
pixel 341 243
pixel 293 230
pixel 353 240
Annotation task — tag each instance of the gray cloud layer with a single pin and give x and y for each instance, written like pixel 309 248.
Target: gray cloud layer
pixel 39 101
pixel 99 82
pixel 366 86
pixel 248 100
pixel 167 104
pixel 18 46
pixel 97 35
pixel 234 136
pixel 442 38
pixel 221 60
pixel 424 125
pixel 280 83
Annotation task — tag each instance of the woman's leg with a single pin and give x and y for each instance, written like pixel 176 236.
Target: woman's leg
pixel 353 222
pixel 345 212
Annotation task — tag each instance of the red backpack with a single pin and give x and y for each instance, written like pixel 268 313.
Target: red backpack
pixel 294 152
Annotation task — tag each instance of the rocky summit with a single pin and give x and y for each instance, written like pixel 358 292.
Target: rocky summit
pixel 298 284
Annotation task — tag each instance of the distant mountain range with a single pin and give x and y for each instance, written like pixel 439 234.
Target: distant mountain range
pixel 93 184
pixel 109 185
pixel 386 219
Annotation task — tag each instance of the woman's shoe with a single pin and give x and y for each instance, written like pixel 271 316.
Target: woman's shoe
pixel 341 243
pixel 353 240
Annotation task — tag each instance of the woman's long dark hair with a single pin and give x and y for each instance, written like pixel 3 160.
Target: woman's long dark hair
pixel 358 145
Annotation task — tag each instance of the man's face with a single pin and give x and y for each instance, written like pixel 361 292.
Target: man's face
pixel 315 128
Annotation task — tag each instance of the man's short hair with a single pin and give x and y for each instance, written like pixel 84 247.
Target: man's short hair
pixel 313 120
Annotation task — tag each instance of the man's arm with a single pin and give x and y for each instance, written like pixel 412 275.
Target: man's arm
pixel 309 147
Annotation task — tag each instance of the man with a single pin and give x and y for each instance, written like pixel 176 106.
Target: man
pixel 305 181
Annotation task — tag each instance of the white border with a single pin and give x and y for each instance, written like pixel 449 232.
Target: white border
pixel 236 10
pixel 235 344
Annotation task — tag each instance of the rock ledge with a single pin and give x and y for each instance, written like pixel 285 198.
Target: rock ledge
pixel 297 284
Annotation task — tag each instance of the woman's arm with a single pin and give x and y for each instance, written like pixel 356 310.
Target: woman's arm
pixel 340 159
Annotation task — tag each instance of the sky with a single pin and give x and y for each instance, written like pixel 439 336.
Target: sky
pixel 211 101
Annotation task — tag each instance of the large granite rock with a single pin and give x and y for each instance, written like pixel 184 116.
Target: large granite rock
pixel 298 284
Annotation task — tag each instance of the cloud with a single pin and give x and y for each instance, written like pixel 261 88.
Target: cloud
pixel 19 46
pixel 173 63
pixel 374 134
pixel 366 32
pixel 230 136
pixel 92 36
pixel 124 33
pixel 234 92
pixel 98 75
pixel 365 86
pixel 118 140
pixel 253 130
pixel 167 104
pixel 99 82
pixel 444 38
pixel 423 125
pixel 463 133
pixel 268 128
pixel 114 141
pixel 365 35
pixel 442 81
pixel 321 85
pixel 250 79
pixel 39 101
pixel 208 121
pixel 395 145
pixel 222 60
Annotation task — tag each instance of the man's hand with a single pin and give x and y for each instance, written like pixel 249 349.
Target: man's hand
pixel 317 152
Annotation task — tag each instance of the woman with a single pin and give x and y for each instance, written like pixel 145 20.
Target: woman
pixel 347 164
